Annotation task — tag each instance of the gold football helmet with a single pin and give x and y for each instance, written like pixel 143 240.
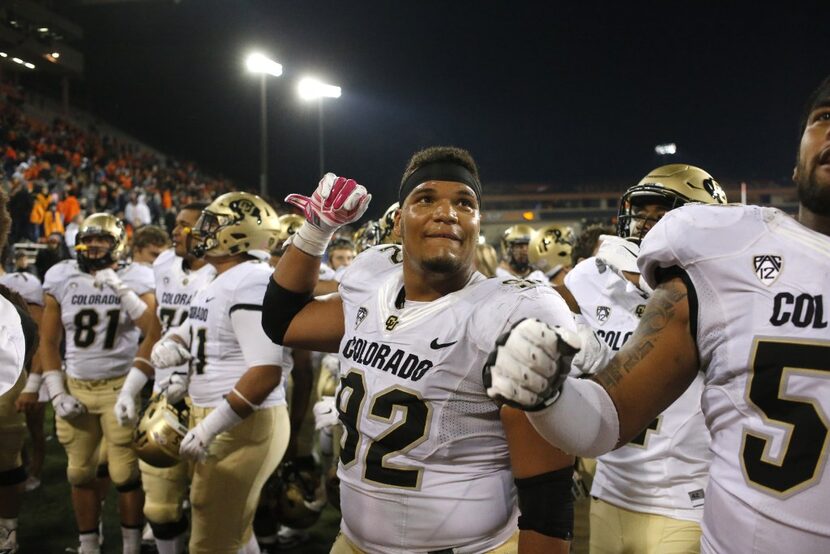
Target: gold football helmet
pixel 235 223
pixel 517 234
pixel 669 186
pixel 367 235
pixel 160 431
pixel 289 224
pixel 297 504
pixel 101 225
pixel 386 225
pixel 550 248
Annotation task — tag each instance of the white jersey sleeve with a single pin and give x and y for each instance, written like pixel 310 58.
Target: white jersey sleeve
pixel 26 285
pixel 138 277
pixel 757 284
pixel 12 346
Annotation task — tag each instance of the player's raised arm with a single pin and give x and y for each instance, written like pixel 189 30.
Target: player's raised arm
pixel 291 315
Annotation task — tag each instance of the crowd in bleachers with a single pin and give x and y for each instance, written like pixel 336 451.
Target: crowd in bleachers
pixel 55 172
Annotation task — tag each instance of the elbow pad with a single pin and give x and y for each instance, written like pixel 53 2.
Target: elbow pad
pixel 279 306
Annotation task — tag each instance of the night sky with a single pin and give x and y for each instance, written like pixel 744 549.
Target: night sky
pixel 550 93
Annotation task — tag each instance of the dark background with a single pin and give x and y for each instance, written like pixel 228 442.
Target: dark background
pixel 538 92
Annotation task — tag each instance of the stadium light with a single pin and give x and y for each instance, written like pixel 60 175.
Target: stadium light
pixel 4 55
pixel 56 55
pixel 259 63
pixel 666 149
pixel 17 60
pixel 309 89
pixel 29 65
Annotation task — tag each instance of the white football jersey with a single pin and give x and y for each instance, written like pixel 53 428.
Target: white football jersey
pixel 175 286
pixel 664 470
pixel 536 276
pixel 326 273
pixel 12 346
pixel 218 361
pixel 26 285
pixel 424 461
pixel 759 283
pixel 101 339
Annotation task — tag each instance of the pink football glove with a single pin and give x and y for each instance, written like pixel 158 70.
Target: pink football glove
pixel 335 202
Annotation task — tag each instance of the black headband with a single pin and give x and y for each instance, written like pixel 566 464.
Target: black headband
pixel 440 171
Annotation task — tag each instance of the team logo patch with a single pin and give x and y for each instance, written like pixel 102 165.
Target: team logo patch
pixel 391 322
pixel 696 497
pixel 640 310
pixel 166 280
pixel 361 315
pixel 767 267
pixel 602 313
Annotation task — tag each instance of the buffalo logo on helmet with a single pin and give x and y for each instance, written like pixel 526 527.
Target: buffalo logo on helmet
pixel 715 190
pixel 243 207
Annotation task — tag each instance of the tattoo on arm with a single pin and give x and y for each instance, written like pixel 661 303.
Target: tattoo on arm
pixel 661 310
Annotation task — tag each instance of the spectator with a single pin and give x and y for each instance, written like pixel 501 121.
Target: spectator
pixel 148 242
pixel 20 207
pixel 55 251
pixel 72 232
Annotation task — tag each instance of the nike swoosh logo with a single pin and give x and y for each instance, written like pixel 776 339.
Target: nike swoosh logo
pixel 209 299
pixel 435 345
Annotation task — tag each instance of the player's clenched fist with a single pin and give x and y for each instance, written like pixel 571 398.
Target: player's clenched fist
pixel 529 364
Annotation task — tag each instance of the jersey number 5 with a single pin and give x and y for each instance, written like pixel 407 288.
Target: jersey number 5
pixel 401 437
pixel 804 451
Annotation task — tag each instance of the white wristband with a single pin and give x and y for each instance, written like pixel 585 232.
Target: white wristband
pixel 33 382
pixel 134 382
pixel 54 383
pixel 220 420
pixel 311 239
pixel 133 304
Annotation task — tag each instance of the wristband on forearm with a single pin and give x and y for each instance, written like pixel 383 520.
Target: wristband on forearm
pixel 135 382
pixel 132 303
pixel 311 239
pixel 221 419
pixel 33 382
pixel 54 383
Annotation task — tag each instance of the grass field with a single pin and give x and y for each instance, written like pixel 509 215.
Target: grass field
pixel 47 524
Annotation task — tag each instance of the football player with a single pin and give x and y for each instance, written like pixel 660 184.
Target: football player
pixel 425 463
pixel 649 492
pixel 739 293
pixel 18 342
pixel 33 397
pixel 178 275
pixel 236 384
pixel 515 263
pixel 103 309
pixel 149 241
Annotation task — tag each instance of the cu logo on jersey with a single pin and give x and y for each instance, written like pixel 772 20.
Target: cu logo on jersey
pixel 767 267
pixel 602 313
pixel 391 322
pixel 245 207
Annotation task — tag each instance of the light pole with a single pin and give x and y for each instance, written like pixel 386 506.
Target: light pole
pixel 259 63
pixel 311 89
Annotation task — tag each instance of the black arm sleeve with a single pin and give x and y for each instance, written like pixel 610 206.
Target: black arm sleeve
pixel 279 306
